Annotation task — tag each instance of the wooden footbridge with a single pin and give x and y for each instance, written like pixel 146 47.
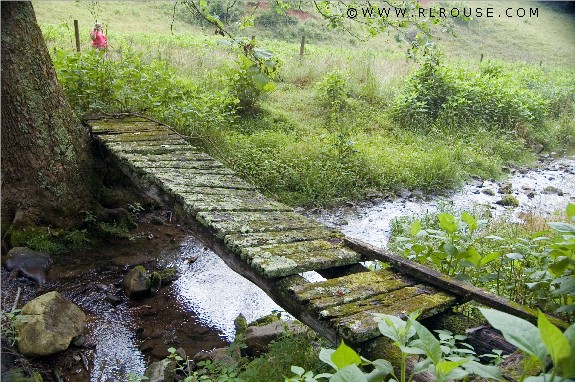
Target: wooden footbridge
pixel 266 242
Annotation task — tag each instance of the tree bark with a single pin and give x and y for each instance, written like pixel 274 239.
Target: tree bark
pixel 47 169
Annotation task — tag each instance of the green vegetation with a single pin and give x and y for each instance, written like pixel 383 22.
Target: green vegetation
pixel 343 120
pixel 532 267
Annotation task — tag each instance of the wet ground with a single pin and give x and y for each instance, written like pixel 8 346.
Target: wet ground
pixel 195 312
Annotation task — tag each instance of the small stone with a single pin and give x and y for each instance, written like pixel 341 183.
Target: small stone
pixel 505 188
pixel 137 282
pixel 150 236
pixel 113 299
pixel 403 193
pixel 258 338
pixel 79 341
pixel 508 201
pixel 31 264
pixel 157 221
pixel 161 371
pixel 531 194
pixel 553 190
pixel 418 194
pixel 489 192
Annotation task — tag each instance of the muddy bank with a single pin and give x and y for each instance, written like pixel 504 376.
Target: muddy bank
pixel 543 190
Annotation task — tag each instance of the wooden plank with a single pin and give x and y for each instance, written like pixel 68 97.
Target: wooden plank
pixel 355 321
pixel 351 288
pixel 195 203
pixel 238 241
pixel 224 223
pixel 464 290
pixel 180 175
pixel 180 186
pixel 288 259
pixel 159 136
pixel 188 155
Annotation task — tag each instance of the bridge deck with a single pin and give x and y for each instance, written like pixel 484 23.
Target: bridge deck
pixel 267 237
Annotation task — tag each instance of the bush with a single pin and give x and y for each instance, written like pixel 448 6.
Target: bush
pixel 446 97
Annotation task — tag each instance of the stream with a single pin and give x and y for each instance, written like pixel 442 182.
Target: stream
pixel 197 310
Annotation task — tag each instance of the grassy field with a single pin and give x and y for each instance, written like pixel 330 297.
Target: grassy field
pixel 350 117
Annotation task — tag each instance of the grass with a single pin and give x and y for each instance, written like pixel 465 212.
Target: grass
pixel 301 147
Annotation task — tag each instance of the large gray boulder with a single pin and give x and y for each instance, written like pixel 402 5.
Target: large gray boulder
pixel 29 263
pixel 51 322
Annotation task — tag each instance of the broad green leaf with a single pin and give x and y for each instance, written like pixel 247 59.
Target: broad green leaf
pixel 570 210
pixel 325 356
pixel 415 227
pixel 350 373
pixel 421 366
pixel 383 366
pixel 297 370
pixel 345 356
pixel 562 227
pixel 392 327
pixel 470 255
pixel 484 371
pixel 559 266
pixel 444 367
pixel 567 367
pixel 447 223
pixel 428 343
pixel 566 285
pixel 518 332
pixel 553 338
pixel 470 220
pixel 538 378
pixel 260 79
pixel 489 258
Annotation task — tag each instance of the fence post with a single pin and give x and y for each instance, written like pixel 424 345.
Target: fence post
pixel 481 59
pixel 77 31
pixel 302 46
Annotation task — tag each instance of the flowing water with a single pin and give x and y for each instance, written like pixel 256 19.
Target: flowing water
pixel 371 221
pixel 198 309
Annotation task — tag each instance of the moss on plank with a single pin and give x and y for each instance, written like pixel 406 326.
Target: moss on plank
pixel 287 259
pixel 358 325
pixel 351 288
pixel 241 240
pixel 223 223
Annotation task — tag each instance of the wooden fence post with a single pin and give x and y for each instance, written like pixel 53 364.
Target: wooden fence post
pixel 302 46
pixel 77 31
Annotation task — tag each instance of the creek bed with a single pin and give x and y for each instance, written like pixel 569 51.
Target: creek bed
pixel 371 221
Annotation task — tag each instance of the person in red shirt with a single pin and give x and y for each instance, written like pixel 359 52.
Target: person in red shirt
pixel 99 41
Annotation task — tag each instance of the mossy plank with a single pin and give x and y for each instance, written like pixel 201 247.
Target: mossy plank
pixel 179 185
pixel 188 155
pixel 238 241
pixel 351 288
pixel 157 136
pixel 361 326
pixel 183 174
pixel 234 205
pixel 230 222
pixel 147 146
pixel 179 164
pixel 282 262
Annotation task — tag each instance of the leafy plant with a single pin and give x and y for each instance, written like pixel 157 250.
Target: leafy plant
pixel 9 320
pixel 444 362
pixel 539 343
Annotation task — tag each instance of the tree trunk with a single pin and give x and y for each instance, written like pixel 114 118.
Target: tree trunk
pixel 47 169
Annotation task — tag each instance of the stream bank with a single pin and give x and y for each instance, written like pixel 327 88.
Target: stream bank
pixel 544 190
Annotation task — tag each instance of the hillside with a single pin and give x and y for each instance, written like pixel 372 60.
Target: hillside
pixel 547 38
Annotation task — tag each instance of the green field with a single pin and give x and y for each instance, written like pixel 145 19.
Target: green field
pixel 351 117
